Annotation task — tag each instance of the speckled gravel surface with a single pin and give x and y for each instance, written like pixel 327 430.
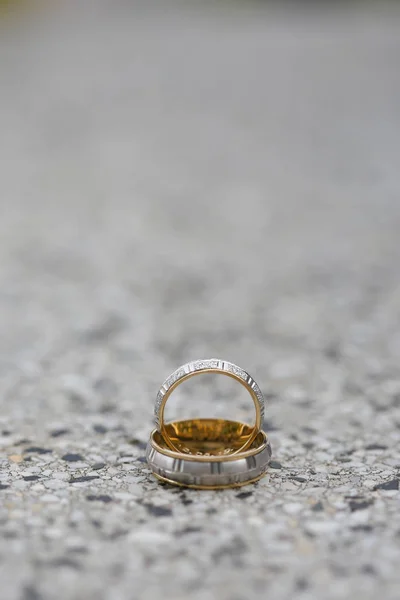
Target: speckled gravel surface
pixel 178 184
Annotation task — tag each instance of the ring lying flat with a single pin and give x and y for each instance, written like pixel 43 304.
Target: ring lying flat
pixel 212 365
pixel 208 472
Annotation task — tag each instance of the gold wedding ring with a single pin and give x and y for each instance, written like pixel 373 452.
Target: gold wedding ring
pixel 213 365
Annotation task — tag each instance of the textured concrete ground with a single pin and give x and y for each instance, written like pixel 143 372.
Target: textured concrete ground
pixel 180 183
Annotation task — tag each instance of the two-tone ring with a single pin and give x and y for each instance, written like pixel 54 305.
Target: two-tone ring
pixel 208 453
pixel 199 367
pixel 208 472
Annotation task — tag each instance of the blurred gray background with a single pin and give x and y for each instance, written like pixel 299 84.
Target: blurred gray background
pixel 187 180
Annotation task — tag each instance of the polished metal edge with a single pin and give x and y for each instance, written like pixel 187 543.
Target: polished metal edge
pixel 209 474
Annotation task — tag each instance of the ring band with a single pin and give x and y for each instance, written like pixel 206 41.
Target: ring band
pixel 212 472
pixel 199 367
pixel 208 437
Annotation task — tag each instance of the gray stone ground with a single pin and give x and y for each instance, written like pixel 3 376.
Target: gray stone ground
pixel 185 182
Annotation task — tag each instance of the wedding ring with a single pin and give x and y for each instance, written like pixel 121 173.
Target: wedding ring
pixel 199 367
pixel 208 453
pixel 207 471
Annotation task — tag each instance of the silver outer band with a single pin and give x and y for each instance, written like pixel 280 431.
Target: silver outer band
pixel 213 473
pixel 212 364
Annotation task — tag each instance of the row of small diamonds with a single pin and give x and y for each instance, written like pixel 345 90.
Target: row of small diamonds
pixel 179 374
pixel 250 382
pixel 200 365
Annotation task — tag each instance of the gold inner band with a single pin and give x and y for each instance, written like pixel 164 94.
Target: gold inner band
pixel 216 437
pixel 208 440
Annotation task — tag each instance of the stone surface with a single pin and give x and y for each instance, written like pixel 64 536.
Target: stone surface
pixel 180 182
